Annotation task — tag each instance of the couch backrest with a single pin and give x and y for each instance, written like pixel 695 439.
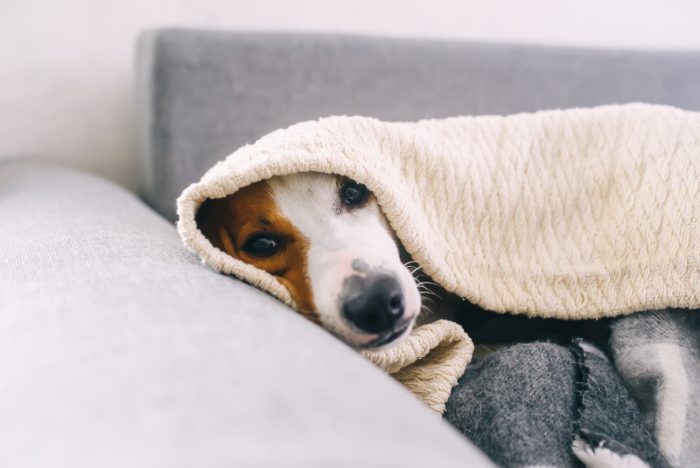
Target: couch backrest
pixel 202 94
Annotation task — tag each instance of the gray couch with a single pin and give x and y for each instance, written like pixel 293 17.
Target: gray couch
pixel 120 349
pixel 204 94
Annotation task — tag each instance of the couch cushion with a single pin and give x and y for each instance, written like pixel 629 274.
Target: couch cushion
pixel 205 93
pixel 118 348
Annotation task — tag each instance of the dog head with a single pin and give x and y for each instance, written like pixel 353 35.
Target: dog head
pixel 326 240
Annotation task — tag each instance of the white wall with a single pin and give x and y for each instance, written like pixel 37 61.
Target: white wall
pixel 66 65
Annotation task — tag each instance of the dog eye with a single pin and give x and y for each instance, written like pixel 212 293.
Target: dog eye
pixel 353 195
pixel 261 246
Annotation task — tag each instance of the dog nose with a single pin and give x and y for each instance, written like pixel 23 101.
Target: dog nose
pixel 376 308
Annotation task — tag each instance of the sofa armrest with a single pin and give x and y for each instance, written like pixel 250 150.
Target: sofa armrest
pixel 120 349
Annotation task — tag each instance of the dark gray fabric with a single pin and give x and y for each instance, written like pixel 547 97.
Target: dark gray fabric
pixel 202 94
pixel 526 404
pixel 118 348
pixel 517 405
pixel 658 356
pixel 606 414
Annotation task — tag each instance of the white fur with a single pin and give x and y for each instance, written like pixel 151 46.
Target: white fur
pixel 603 457
pixel 310 201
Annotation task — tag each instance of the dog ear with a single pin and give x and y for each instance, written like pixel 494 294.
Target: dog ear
pixel 213 221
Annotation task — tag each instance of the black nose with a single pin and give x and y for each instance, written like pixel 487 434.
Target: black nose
pixel 376 306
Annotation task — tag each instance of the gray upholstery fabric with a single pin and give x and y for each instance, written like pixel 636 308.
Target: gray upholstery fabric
pixel 203 94
pixel 119 349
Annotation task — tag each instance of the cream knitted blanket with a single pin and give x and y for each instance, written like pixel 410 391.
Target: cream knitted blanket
pixel 580 213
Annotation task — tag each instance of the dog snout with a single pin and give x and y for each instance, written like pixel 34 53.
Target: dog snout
pixel 374 304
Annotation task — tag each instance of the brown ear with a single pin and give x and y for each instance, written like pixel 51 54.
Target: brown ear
pixel 213 221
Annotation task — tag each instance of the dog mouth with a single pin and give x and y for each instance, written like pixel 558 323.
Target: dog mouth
pixel 388 337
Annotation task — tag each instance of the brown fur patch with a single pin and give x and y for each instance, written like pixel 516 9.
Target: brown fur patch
pixel 230 222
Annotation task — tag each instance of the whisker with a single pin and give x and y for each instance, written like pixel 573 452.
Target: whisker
pixel 430 283
pixel 424 293
pixel 426 282
pixel 412 266
pixel 427 299
pixel 426 296
pixel 424 288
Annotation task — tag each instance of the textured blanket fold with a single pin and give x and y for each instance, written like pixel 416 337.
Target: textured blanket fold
pixel 429 362
pixel 579 213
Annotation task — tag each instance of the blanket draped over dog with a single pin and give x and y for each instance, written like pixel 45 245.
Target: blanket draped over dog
pixel 570 214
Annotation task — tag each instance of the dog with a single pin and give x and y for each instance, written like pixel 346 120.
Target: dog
pixel 325 238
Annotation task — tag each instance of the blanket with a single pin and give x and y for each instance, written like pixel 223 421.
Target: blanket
pixel 579 213
pixel 640 405
pixel 544 404
pixel 429 362
pixel 657 353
